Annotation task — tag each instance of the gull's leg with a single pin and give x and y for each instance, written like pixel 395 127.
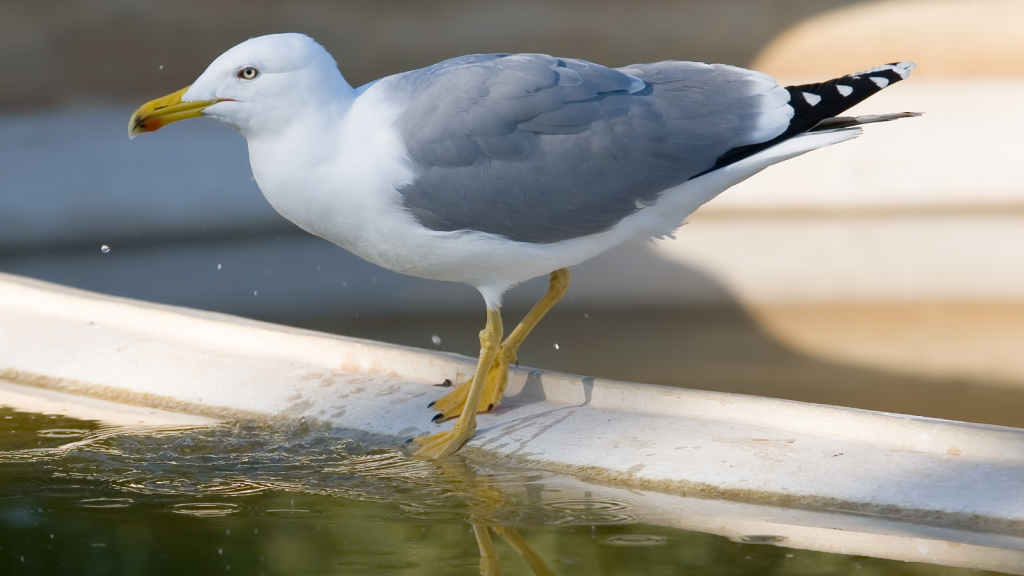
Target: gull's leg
pixel 448 442
pixel 485 500
pixel 451 405
pixel 497 379
pixel 490 562
pixel 515 540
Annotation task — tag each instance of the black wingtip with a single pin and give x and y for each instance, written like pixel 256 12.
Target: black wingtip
pixel 816 106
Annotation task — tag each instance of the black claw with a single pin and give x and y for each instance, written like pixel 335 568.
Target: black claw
pixel 490 407
pixel 447 383
pixel 409 440
pixel 437 418
pixel 431 405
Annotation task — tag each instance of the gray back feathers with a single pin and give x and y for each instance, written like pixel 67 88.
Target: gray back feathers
pixel 542 149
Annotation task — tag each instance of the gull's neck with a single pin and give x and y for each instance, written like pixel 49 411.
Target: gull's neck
pixel 305 105
pixel 299 128
pixel 292 154
pixel 336 169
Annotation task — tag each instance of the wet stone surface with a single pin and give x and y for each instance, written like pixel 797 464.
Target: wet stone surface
pixel 79 497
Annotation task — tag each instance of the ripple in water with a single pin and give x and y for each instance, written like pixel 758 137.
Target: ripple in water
pixel 291 511
pixel 237 460
pixel 106 503
pixel 759 539
pixel 440 513
pixel 590 512
pixel 62 433
pixel 634 540
pixel 205 509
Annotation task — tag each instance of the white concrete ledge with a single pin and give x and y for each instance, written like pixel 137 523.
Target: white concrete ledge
pixel 942 480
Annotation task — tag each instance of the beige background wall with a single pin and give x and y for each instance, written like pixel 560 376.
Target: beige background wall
pixel 55 53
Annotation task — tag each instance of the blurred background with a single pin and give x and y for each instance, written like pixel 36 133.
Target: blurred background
pixel 885 273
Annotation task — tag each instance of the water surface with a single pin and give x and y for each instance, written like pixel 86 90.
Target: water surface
pixel 79 497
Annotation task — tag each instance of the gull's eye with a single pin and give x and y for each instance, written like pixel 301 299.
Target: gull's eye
pixel 248 73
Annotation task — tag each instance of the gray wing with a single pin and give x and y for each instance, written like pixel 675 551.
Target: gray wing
pixel 541 149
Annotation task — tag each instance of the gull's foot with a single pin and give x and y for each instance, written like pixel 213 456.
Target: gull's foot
pixel 452 400
pixel 451 405
pixel 444 443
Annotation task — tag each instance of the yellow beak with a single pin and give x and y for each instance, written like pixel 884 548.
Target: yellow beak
pixel 156 114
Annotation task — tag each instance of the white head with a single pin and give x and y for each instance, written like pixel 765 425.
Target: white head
pixel 259 86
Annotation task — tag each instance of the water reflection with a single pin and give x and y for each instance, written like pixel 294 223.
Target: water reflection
pixel 297 499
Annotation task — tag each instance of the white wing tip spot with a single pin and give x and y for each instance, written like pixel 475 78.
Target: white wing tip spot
pixel 844 89
pixel 904 68
pixel 882 82
pixel 812 99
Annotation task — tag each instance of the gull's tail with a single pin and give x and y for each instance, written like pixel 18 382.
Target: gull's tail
pixel 816 106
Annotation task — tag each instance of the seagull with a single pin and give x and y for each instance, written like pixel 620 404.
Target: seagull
pixel 492 169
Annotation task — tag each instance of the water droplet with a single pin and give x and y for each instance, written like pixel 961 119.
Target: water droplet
pixel 436 340
pixel 254 292
pixel 556 346
pixel 585 315
pixel 161 66
pixel 220 551
pixel 104 248
pixel 218 266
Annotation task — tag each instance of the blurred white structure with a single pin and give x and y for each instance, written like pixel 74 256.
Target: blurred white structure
pixel 808 476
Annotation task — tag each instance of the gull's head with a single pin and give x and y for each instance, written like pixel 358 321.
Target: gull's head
pixel 262 84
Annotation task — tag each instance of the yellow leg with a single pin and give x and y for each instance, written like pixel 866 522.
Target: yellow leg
pixel 515 540
pixel 485 501
pixel 490 562
pixel 448 442
pixel 453 403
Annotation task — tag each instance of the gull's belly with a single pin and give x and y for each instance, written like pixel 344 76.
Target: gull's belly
pixel 377 227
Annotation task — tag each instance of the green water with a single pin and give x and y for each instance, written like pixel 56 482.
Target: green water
pixel 81 498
